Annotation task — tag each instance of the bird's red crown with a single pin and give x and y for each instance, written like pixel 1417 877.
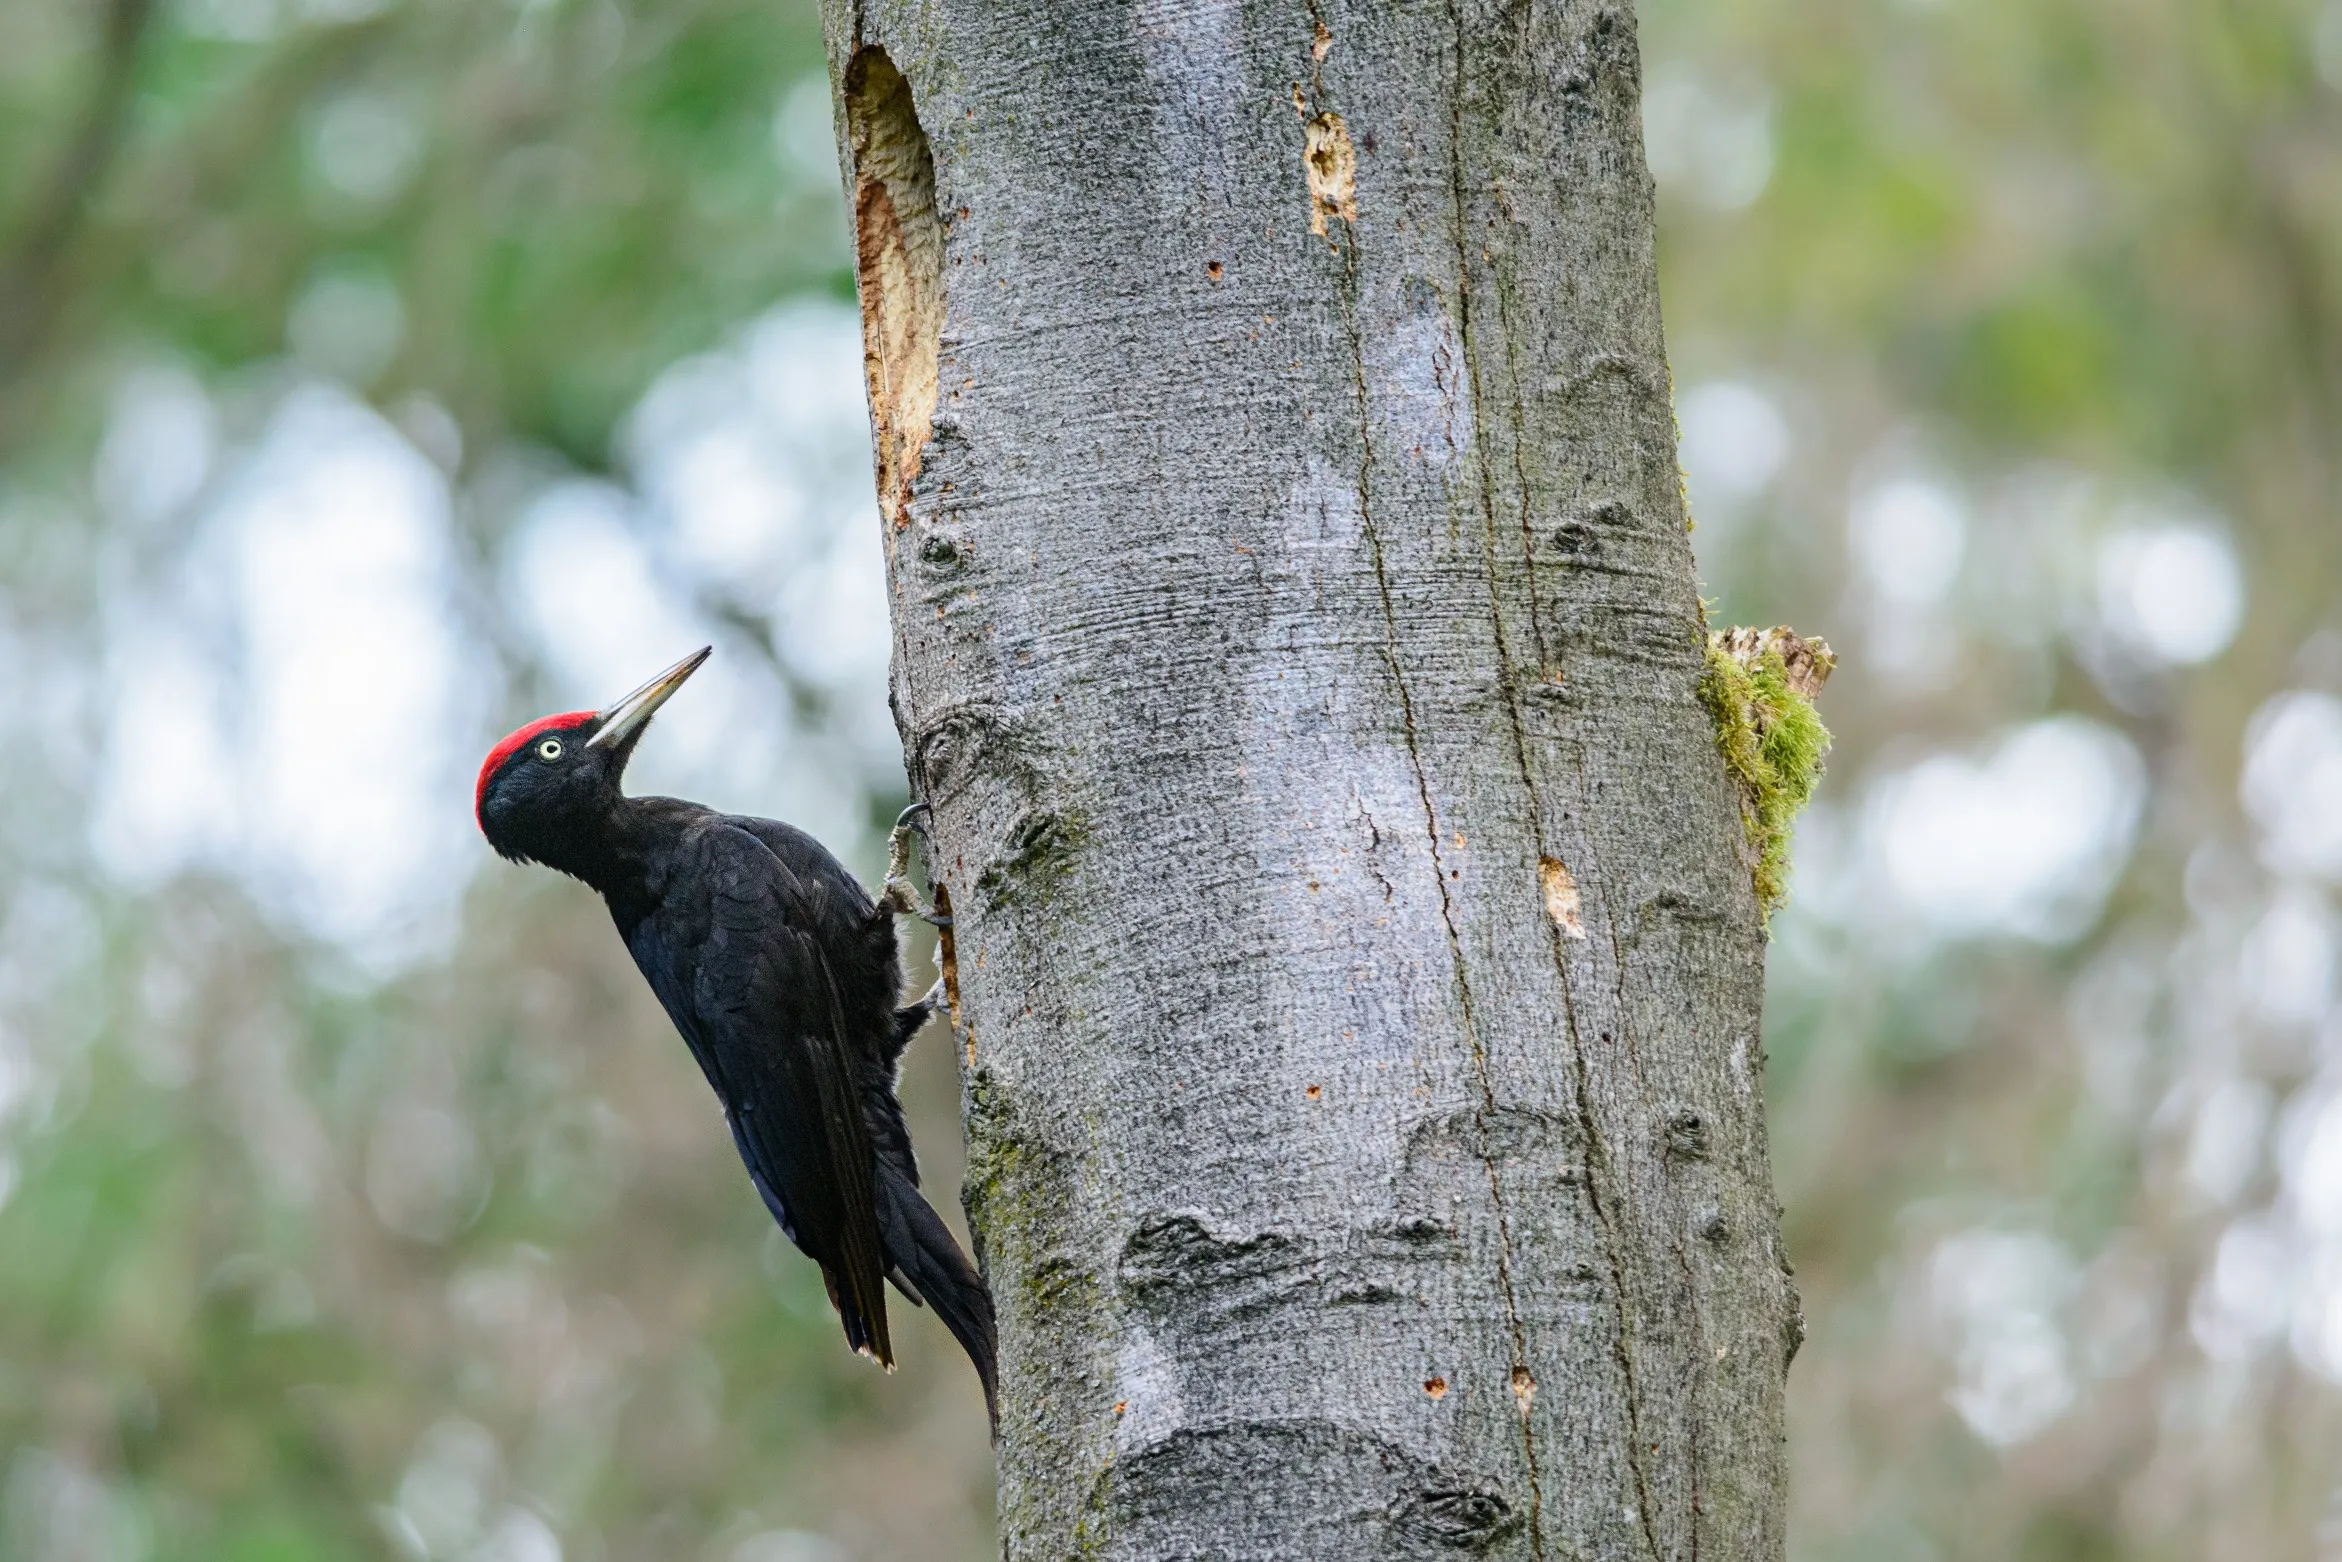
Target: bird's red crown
pixel 514 741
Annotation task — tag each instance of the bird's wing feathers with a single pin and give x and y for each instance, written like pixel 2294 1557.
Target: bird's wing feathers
pixel 878 1054
pixel 774 1039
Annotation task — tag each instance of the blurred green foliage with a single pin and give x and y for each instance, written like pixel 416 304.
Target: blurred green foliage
pixel 565 197
pixel 211 1345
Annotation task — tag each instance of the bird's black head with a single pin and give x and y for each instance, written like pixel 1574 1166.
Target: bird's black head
pixel 549 791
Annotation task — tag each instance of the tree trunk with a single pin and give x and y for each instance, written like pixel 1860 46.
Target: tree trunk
pixel 1356 972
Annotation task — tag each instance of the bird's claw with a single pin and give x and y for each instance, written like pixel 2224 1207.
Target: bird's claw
pixel 897 894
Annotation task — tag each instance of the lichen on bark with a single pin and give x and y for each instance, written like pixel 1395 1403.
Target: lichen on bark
pixel 1759 688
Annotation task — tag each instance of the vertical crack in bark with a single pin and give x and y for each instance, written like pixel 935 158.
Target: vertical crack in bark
pixel 1594 1151
pixel 1626 1360
pixel 898 260
pixel 1596 1157
pixel 1447 912
pixel 1680 1248
pixel 1505 680
pixel 1512 374
pixel 1701 1366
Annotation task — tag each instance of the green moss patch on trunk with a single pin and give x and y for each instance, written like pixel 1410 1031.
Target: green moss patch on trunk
pixel 1759 689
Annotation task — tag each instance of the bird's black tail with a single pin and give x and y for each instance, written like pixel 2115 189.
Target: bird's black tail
pixel 929 1266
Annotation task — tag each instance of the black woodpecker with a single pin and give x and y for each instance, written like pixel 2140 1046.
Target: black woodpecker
pixel 783 976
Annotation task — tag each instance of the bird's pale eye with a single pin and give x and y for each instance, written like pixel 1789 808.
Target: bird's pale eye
pixel 549 749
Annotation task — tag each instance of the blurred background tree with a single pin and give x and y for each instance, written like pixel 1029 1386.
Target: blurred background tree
pixel 356 354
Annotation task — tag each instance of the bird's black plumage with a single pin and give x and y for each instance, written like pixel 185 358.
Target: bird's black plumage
pixel 784 978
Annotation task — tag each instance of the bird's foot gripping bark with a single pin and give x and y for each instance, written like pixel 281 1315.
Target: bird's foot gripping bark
pixel 898 895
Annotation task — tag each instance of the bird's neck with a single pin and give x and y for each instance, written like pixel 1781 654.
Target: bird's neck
pixel 613 851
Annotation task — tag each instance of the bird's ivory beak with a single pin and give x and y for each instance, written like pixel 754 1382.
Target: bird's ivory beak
pixel 624 719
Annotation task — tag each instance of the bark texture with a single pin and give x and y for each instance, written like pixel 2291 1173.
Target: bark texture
pixel 1356 975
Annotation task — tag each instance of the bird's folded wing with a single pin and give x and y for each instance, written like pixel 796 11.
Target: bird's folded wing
pixel 831 900
pixel 771 1024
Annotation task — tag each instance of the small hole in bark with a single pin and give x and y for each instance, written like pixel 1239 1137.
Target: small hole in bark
pixel 1561 897
pixel 1435 1387
pixel 1212 270
pixel 1314 1091
pixel 1121 1405
pixel 1332 168
pixel 1686 1135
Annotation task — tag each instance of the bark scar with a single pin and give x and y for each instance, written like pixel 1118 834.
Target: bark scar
pixel 1328 159
pixel 898 261
pixel 1333 171
pixel 1561 897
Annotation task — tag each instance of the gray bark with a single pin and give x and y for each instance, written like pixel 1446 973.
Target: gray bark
pixel 1356 976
